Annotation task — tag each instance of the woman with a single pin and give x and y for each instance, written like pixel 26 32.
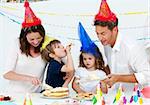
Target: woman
pixel 25 67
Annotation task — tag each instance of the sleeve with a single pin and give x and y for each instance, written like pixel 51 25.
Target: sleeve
pixel 101 74
pixel 55 67
pixel 78 72
pixel 12 55
pixel 140 65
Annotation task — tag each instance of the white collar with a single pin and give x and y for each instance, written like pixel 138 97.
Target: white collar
pixel 117 45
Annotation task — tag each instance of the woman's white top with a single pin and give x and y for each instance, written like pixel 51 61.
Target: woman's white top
pixel 22 64
pixel 88 80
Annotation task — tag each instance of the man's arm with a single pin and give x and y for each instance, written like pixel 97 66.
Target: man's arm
pixel 114 78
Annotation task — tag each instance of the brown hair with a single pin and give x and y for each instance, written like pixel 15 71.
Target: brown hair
pixel 99 62
pixel 49 49
pixel 109 24
pixel 24 45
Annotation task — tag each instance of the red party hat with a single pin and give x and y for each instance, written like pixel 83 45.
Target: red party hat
pixel 105 13
pixel 30 19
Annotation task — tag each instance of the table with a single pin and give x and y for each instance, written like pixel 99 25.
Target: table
pixel 37 98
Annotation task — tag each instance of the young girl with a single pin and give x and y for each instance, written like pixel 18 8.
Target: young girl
pixel 91 66
pixel 58 73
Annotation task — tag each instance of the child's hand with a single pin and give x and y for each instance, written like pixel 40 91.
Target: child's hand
pixel 67 76
pixel 68 47
pixel 65 85
pixel 81 92
pixel 103 87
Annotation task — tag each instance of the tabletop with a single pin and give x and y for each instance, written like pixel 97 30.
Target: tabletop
pixel 38 99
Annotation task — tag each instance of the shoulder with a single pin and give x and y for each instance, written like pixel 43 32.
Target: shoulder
pixel 14 46
pixel 135 51
pixel 100 72
pixel 133 47
pixel 55 64
pixel 80 69
pixel 52 62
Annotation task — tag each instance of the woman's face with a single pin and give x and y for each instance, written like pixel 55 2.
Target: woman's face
pixel 88 60
pixel 34 39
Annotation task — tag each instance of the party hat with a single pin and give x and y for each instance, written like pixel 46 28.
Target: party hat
pixel 27 100
pixel 119 95
pixel 30 19
pixel 136 97
pixel 105 13
pixel 98 99
pixel 88 46
pixel 47 40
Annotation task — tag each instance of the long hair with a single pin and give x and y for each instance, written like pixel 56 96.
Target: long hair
pixel 24 45
pixel 49 49
pixel 99 62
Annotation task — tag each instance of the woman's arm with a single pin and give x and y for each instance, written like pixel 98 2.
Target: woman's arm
pixel 76 87
pixel 11 75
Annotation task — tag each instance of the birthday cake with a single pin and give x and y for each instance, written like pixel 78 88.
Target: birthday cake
pixel 59 92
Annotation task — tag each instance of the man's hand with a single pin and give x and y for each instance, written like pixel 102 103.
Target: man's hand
pixel 111 80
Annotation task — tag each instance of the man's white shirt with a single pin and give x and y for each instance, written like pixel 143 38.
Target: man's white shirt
pixel 125 58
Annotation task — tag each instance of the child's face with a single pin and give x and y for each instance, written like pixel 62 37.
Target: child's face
pixel 59 50
pixel 88 60
pixel 34 38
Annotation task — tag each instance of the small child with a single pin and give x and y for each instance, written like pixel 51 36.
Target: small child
pixel 58 73
pixel 91 66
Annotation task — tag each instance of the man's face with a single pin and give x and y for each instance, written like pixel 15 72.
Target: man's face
pixel 104 35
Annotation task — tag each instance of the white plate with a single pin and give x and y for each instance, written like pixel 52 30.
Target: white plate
pixel 79 98
pixel 46 97
pixel 8 100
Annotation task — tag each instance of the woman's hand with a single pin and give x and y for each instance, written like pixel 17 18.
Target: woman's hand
pixel 34 80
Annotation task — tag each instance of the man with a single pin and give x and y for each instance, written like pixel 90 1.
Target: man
pixel 128 64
